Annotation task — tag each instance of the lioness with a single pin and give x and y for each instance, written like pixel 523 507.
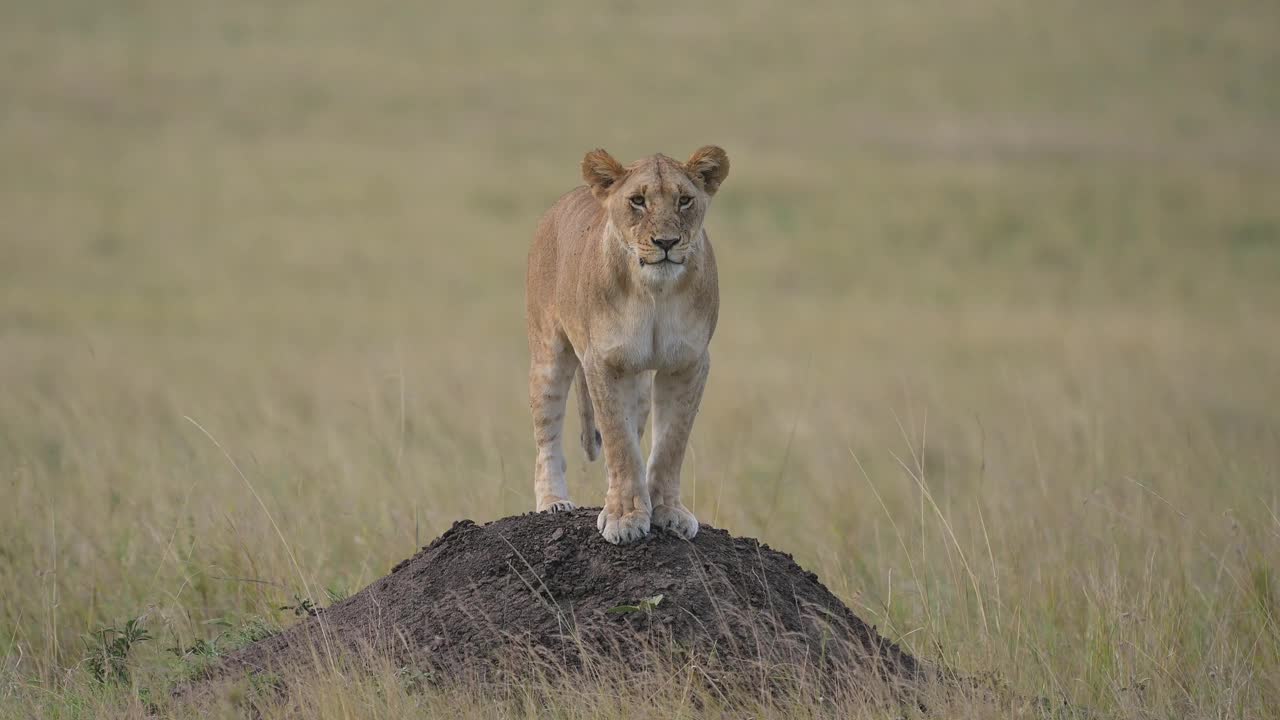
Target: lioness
pixel 621 290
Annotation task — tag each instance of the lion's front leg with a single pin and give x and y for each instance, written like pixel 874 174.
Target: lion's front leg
pixel 626 512
pixel 676 397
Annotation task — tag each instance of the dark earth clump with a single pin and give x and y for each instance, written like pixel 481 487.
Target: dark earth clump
pixel 545 590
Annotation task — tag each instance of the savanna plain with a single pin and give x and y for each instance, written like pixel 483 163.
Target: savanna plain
pixel 998 356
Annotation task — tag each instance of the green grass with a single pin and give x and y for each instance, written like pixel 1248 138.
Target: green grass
pixel 997 355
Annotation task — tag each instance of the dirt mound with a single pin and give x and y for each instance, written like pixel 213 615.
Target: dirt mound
pixel 547 588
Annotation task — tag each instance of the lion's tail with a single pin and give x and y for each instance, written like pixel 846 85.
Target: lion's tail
pixel 590 435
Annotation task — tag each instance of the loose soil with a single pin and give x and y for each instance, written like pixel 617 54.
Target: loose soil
pixel 545 590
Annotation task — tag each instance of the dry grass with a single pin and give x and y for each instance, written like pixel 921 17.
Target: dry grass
pixel 997 358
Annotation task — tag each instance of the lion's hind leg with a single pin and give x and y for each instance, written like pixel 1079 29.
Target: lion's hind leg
pixel 591 439
pixel 550 374
pixel 643 402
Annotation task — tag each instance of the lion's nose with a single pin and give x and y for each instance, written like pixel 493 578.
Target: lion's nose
pixel 666 243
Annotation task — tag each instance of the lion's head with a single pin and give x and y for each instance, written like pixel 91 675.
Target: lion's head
pixel 657 204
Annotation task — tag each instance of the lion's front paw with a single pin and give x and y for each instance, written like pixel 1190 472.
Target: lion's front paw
pixel 555 506
pixel 622 529
pixel 675 518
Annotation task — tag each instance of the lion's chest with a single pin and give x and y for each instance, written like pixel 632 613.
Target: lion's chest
pixel 654 333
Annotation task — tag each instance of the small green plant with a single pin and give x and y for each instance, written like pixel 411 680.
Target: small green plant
pixel 109 648
pixel 414 680
pixel 198 656
pixel 336 593
pixel 646 605
pixel 251 631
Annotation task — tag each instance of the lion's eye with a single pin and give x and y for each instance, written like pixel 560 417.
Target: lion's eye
pixel 685 201
pixel 637 200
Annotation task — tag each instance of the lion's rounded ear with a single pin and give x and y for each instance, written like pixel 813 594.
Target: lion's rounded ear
pixel 708 166
pixel 601 172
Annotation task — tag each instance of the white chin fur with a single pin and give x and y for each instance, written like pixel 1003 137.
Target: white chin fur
pixel 660 274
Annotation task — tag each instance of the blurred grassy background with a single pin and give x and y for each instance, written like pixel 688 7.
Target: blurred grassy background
pixel 998 354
